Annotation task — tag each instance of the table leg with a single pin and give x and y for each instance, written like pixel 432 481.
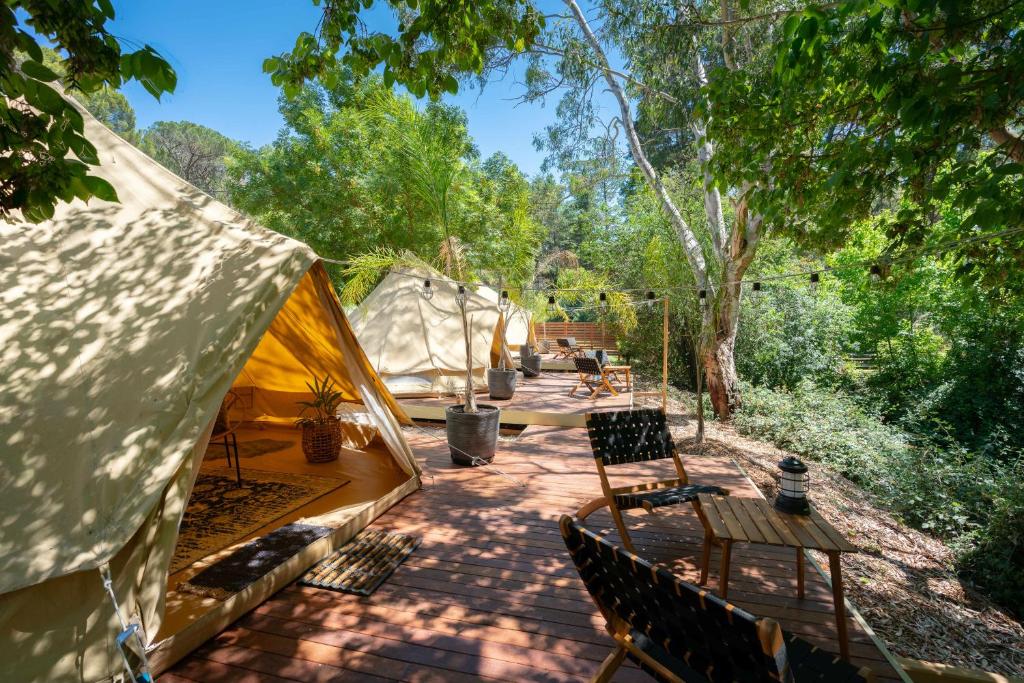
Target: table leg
pixel 836 569
pixel 705 560
pixel 723 570
pixel 800 573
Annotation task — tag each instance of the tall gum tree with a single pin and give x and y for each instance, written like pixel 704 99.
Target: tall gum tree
pixel 438 42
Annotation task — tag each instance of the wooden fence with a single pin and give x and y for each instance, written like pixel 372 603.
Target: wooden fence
pixel 588 335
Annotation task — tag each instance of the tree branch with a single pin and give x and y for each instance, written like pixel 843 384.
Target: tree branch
pixel 689 241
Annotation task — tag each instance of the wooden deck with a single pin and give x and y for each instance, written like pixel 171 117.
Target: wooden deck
pixel 540 400
pixel 491 593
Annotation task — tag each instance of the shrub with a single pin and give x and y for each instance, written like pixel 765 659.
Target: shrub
pixel 972 501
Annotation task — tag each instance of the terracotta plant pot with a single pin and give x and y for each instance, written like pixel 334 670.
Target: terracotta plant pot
pixel 321 441
pixel 501 383
pixel 472 437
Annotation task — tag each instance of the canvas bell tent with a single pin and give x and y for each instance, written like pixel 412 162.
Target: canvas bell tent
pixel 518 321
pixel 123 327
pixel 416 343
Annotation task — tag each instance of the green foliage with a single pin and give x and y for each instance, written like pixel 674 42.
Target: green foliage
pixel 358 168
pixel 910 103
pixel 973 502
pixel 324 406
pixel 196 153
pixel 44 157
pixel 437 42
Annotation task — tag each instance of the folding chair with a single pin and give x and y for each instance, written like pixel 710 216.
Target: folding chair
pixel 678 632
pixel 568 348
pixel 593 377
pixel 624 437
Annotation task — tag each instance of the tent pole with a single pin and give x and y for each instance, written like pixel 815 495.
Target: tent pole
pixel 664 356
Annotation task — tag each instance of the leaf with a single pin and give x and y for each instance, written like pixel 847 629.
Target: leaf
pixel 38 71
pixel 100 188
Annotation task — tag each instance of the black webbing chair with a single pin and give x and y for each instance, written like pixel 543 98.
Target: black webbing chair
pixel 568 348
pixel 678 632
pixel 593 377
pixel 624 437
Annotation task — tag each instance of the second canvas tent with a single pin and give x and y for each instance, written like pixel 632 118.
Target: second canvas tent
pixel 415 342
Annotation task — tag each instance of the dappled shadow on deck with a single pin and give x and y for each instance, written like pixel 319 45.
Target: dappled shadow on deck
pixel 491 592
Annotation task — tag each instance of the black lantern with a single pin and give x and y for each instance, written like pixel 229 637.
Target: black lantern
pixel 552 307
pixel 815 279
pixel 757 286
pixel 427 291
pixel 504 302
pixel 876 272
pixel 793 485
pixel 460 296
pixel 602 302
pixel 703 295
pixel 650 299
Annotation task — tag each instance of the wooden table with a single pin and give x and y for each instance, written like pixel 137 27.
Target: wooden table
pixel 732 519
pixel 625 369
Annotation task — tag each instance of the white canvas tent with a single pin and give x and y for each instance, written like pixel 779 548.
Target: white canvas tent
pixel 416 344
pixel 518 321
pixel 122 326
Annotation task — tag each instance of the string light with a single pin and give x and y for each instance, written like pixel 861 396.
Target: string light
pixel 876 272
pixel 815 279
pixel 650 299
pixel 552 307
pixel 428 291
pixel 460 296
pixel 703 296
pixel 504 303
pixel 757 287
pixel 602 302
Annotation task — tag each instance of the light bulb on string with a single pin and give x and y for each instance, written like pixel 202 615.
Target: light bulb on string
pixel 552 306
pixel 815 279
pixel 703 296
pixel 504 303
pixel 650 299
pixel 460 296
pixel 876 272
pixel 427 292
pixel 602 302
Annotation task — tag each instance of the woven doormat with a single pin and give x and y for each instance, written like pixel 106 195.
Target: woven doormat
pixel 362 564
pixel 252 561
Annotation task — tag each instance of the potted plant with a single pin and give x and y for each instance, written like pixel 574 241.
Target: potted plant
pixel 321 428
pixel 501 381
pixel 472 429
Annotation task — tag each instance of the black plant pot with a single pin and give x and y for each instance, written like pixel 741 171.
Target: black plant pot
pixel 501 383
pixel 531 365
pixel 472 437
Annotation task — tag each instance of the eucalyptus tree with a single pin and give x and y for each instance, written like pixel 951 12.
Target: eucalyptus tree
pixel 437 43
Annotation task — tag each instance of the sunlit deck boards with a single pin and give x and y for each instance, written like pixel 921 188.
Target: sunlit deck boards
pixel 540 400
pixel 491 594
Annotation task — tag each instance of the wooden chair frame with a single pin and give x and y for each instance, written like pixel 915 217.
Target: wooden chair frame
pixel 796 657
pixel 597 381
pixel 568 349
pixel 681 479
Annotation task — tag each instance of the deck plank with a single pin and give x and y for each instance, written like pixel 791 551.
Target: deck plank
pixel 491 593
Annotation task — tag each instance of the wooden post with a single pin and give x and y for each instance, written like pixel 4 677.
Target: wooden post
pixel 699 372
pixel 664 356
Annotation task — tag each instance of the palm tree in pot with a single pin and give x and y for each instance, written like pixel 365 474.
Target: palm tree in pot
pixel 501 381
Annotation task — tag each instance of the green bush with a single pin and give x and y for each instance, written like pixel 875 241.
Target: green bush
pixel 973 502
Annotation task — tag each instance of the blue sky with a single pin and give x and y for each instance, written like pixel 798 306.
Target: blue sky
pixel 217 48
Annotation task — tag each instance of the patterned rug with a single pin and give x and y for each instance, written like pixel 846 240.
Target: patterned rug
pixel 219 513
pixel 246 449
pixel 362 564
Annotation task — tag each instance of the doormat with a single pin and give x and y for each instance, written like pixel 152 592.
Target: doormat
pixel 247 449
pixel 252 561
pixel 362 564
pixel 219 513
